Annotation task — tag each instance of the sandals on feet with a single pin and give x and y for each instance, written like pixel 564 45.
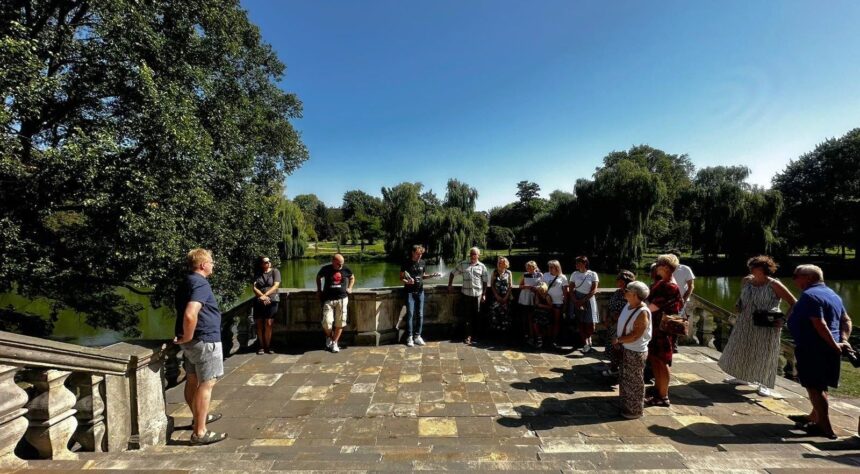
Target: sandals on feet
pixel 209 437
pixel 814 430
pixel 657 402
pixel 213 417
pixel 468 341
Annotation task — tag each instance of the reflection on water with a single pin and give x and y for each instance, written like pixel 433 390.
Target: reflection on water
pixel 157 323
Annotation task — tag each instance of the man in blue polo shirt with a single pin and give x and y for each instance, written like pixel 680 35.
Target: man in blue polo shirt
pixel 820 327
pixel 198 332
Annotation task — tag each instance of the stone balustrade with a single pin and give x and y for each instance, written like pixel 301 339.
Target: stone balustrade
pixel 56 396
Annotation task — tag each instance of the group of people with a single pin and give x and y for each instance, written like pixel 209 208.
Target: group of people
pixel 637 338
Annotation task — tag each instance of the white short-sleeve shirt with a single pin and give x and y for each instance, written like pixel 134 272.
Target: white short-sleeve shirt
pixel 555 290
pixel 682 275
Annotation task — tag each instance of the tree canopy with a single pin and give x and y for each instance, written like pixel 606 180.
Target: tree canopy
pixel 131 132
pixel 821 190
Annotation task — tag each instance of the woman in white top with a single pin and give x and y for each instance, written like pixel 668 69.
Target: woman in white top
pixel 530 279
pixel 631 339
pixel 583 286
pixel 557 290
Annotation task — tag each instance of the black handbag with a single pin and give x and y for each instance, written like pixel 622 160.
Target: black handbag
pixel 766 318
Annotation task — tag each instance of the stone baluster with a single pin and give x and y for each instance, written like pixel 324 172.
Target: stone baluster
pixel 90 389
pixel 51 413
pixel 13 423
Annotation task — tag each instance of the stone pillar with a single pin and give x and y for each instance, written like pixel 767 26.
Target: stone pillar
pixel 13 423
pixel 118 404
pixel 51 413
pixel 90 389
pixel 149 421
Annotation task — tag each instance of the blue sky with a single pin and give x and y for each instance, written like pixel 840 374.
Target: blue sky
pixel 494 92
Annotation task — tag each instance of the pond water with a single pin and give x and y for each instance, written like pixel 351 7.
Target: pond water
pixel 156 323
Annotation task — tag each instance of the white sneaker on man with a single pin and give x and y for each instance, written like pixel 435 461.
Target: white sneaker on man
pixel 419 341
pixel 328 342
pixel 410 342
pixel 334 347
pixel 735 381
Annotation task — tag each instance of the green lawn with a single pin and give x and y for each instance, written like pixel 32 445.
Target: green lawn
pixel 849 382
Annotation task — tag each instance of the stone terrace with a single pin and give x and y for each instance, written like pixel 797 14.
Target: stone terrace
pixel 446 406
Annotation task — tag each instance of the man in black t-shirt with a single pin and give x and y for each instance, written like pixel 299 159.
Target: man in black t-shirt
pixel 334 284
pixel 412 274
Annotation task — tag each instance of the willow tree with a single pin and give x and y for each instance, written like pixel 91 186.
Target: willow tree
pixel 675 172
pixel 614 210
pixel 730 216
pixel 132 131
pixel 403 214
pixel 293 239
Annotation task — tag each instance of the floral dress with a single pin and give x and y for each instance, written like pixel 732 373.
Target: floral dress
pixel 500 317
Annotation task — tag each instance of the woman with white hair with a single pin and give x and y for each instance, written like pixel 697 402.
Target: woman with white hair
pixel 631 339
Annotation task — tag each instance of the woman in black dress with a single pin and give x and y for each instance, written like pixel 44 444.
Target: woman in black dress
pixel 267 280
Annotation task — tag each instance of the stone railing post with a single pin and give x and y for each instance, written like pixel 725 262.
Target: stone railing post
pixel 13 423
pixel 90 389
pixel 51 413
pixel 149 421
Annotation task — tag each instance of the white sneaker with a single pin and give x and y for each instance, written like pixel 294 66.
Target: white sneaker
pixel 328 342
pixel 734 381
pixel 419 341
pixel 766 392
pixel 410 342
pixel 586 349
pixel 334 347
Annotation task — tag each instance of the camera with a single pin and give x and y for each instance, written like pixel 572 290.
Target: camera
pixel 852 357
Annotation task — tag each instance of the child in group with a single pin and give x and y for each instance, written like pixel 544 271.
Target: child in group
pixel 541 321
pixel 525 302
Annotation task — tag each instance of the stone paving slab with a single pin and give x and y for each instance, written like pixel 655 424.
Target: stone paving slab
pixel 447 406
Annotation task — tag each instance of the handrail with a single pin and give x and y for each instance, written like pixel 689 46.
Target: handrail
pixel 16 349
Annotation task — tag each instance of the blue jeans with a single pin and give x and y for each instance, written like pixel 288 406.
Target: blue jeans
pixel 414 307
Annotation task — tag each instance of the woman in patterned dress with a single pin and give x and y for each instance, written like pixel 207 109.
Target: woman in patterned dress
pixel 500 284
pixel 665 298
pixel 631 339
pixel 752 352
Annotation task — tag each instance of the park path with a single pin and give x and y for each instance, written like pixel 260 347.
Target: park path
pixel 447 406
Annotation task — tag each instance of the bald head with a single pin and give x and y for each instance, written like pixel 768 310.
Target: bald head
pixel 337 260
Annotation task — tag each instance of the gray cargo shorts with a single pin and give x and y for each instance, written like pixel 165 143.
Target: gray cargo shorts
pixel 205 359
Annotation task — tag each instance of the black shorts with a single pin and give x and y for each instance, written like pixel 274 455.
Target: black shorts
pixel 818 367
pixel 265 311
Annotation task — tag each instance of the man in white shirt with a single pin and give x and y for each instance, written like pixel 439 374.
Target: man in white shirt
pixel 685 280
pixel 475 281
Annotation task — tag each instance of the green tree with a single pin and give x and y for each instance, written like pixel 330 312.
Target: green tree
pixel 363 213
pixel 821 190
pixel 527 191
pixel 403 215
pixel 294 240
pixel 500 238
pixel 675 172
pixel 130 132
pixel 729 216
pixel 316 214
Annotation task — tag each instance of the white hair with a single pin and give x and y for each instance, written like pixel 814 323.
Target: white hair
pixel 813 271
pixel 640 289
pixel 474 249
